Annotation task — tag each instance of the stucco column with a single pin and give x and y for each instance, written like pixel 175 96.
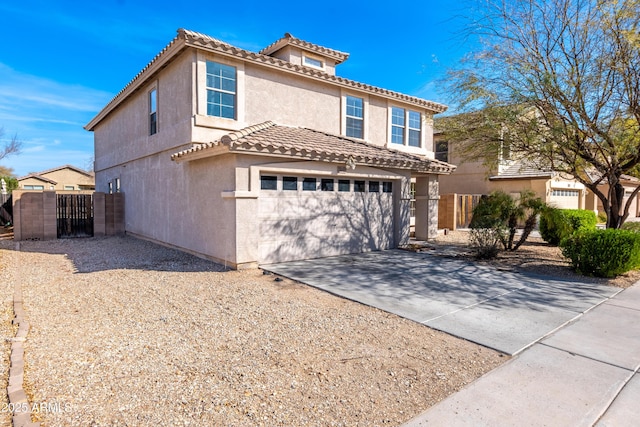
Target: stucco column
pixel 427 195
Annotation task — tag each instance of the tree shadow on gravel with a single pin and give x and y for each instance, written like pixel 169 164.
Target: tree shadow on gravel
pixel 94 254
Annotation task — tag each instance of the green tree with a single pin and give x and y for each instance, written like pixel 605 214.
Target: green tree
pixel 557 82
pixel 11 182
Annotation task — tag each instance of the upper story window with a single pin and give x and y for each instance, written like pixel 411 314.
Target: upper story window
pixel 406 127
pixel 153 111
pixel 355 117
pixel 415 125
pixel 312 62
pixel 397 125
pixel 221 90
pixel 442 151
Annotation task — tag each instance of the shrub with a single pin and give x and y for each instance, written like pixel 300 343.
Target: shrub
pixel 631 226
pixel 501 213
pixel 602 217
pixel 557 224
pixel 603 253
pixel 484 241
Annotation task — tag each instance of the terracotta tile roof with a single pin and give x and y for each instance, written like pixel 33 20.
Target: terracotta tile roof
pixel 288 39
pixel 187 38
pixel 309 144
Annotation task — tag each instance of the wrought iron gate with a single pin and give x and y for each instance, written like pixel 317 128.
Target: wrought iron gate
pixel 75 215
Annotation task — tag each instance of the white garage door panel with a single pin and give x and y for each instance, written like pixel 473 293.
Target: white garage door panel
pixel 565 202
pixel 319 224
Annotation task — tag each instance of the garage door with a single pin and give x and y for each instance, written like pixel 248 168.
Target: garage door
pixel 309 217
pixel 565 199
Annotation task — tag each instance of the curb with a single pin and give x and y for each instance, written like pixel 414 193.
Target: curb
pixel 18 400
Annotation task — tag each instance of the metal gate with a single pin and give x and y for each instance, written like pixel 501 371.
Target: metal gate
pixel 75 215
pixel 6 209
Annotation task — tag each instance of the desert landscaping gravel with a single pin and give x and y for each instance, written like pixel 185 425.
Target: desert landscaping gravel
pixel 125 332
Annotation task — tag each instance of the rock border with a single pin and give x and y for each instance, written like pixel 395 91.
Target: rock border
pixel 18 399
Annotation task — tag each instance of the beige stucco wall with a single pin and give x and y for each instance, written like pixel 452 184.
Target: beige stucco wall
pixel 125 136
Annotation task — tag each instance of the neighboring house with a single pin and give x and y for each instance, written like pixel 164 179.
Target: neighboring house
pixel 512 177
pixel 249 158
pixel 63 178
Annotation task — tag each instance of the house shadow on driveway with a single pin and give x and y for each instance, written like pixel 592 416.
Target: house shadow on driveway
pixel 505 311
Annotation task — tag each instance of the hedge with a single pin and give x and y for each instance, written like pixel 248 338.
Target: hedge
pixel 603 253
pixel 557 224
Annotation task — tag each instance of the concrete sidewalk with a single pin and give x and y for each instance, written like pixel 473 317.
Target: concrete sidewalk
pixel 584 374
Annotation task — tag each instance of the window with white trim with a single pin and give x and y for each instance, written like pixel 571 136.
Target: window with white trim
pixel 406 127
pixel 312 62
pixel 415 126
pixel 354 117
pixel 221 90
pixel 397 125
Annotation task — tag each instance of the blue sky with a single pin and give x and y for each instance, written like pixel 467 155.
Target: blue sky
pixel 62 61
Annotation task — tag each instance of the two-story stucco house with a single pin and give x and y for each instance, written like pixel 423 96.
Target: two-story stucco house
pixel 249 158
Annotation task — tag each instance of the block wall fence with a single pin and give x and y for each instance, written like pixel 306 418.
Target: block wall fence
pixel 35 214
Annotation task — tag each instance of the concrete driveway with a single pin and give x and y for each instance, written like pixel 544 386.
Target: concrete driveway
pixel 502 310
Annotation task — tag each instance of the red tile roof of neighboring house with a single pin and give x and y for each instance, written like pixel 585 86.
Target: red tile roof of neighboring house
pixel 309 144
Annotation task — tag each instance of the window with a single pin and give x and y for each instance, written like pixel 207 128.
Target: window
pixel 442 151
pixel 313 62
pixel 387 187
pixel 117 184
pixel 397 125
pixel 374 187
pixel 34 187
pixel 268 182
pixel 110 187
pixel 344 185
pixel 565 193
pixel 355 117
pixel 153 112
pixel 69 188
pixel 358 186
pixel 415 126
pixel 406 127
pixel 221 90
pixel 290 183
pixel 326 184
pixel 309 184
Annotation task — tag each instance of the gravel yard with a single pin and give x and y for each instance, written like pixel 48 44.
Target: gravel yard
pixel 125 332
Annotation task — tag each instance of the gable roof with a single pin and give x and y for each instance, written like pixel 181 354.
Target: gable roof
pixel 191 39
pixel 38 177
pixel 39 174
pixel 289 40
pixel 308 144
